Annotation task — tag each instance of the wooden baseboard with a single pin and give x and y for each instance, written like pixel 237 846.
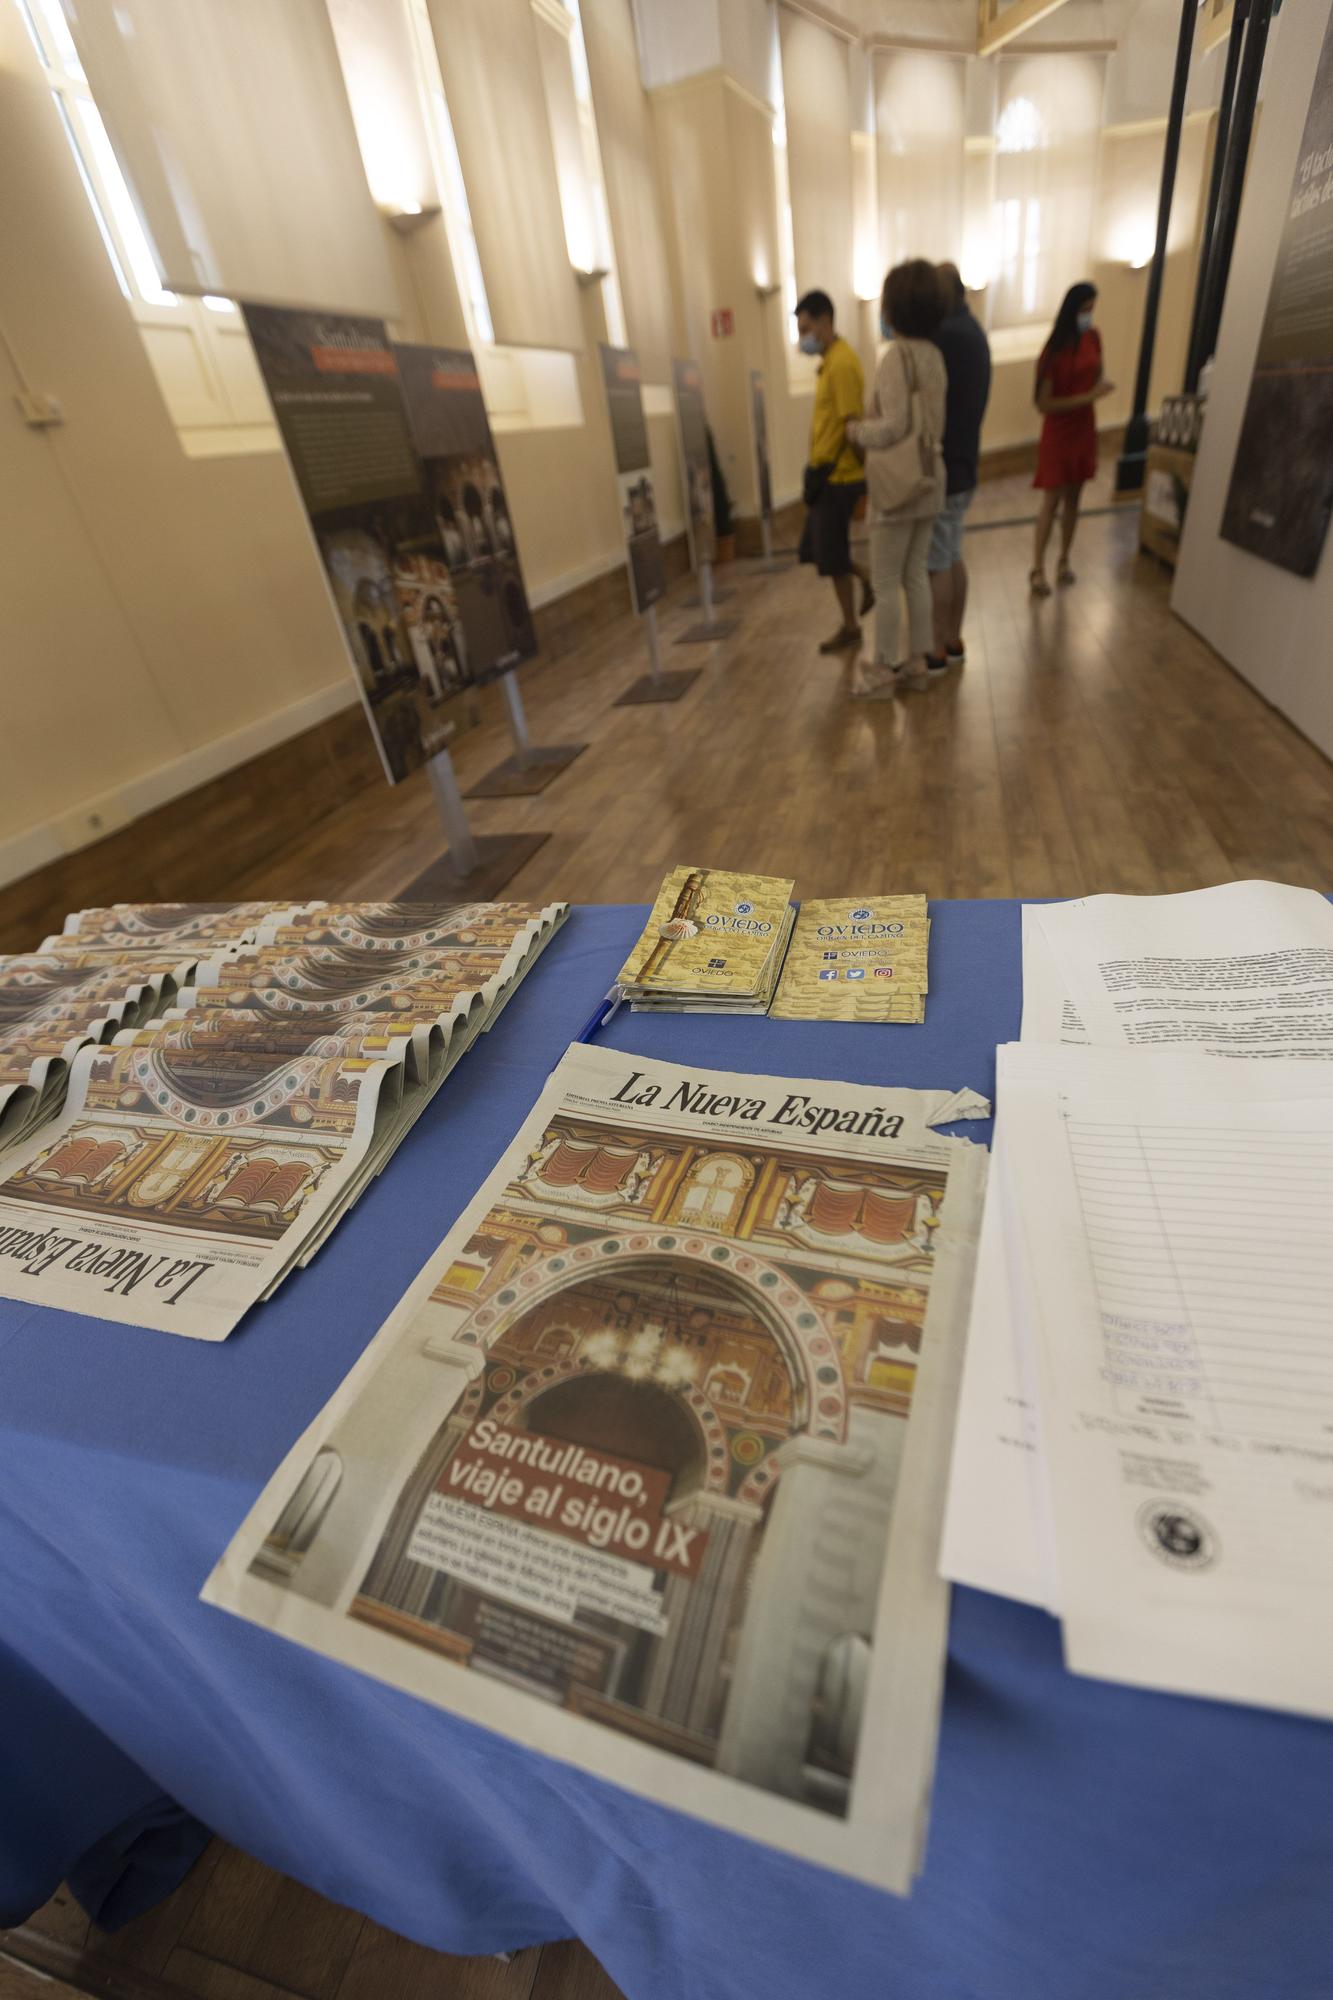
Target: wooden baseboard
pixel 1007 460
pixel 183 850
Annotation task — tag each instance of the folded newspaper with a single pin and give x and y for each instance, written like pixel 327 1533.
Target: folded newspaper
pixel 646 1469
pixel 203 1155
pixel 713 944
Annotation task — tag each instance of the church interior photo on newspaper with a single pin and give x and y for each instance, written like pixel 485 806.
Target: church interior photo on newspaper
pixel 666 999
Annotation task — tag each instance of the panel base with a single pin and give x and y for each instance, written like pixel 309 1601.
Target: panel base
pixel 523 778
pixel 667 687
pixel 499 858
pixel 700 635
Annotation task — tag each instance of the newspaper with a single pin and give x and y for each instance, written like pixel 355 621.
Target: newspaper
pixel 646 1469
pixel 202 1156
pixel 108 969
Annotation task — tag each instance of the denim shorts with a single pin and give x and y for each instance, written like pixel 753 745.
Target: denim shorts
pixel 946 542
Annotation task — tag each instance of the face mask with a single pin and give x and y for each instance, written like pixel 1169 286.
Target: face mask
pixel 885 327
pixel 1085 321
pixel 809 344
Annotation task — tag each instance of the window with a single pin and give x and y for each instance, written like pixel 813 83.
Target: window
pixel 198 348
pixel 714 1192
pixel 525 388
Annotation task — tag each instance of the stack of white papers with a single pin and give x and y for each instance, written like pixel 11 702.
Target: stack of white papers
pixel 1145 1435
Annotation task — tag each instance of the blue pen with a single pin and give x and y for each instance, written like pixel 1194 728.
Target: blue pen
pixel 601 1014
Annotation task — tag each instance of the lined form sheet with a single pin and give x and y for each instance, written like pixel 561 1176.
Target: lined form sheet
pixel 1175 1239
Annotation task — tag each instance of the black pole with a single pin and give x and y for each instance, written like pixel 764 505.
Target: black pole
pixel 1194 359
pixel 1129 470
pixel 1233 174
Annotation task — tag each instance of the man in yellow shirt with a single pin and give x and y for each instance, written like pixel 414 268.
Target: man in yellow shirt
pixel 834 478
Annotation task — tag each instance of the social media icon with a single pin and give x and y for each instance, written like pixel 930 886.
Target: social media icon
pixel 828 975
pixel 883 972
pixel 856 972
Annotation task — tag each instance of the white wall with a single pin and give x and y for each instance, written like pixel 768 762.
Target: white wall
pixel 1274 628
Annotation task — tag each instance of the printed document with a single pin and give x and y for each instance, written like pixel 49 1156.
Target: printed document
pixel 1174 1224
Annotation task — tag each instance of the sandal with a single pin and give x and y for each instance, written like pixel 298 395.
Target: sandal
pixel 1065 574
pixel 849 635
pixel 1037 583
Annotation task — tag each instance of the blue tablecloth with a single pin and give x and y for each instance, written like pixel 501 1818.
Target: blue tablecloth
pixel 1087 1842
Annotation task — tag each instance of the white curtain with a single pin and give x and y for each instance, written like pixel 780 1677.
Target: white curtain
pixel 492 75
pixel 629 169
pixel 1048 118
pixel 232 127
pixel 920 125
pixel 816 86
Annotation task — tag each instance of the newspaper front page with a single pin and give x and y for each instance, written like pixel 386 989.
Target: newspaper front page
pixel 646 1469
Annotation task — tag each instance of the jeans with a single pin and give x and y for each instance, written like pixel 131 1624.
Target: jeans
pixel 898 560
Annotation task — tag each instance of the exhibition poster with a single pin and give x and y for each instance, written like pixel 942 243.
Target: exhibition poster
pixel 646 1469
pixel 693 422
pixel 1281 491
pixel 337 396
pixel 634 477
pixel 475 596
pixel 759 426
pixel 202 1156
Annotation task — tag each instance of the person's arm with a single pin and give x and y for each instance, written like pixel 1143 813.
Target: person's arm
pixel 1052 406
pixel 892 410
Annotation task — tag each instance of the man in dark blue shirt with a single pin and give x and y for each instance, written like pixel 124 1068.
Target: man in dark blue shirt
pixel 966 352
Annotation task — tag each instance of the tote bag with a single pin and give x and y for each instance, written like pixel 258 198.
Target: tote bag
pixel 902 475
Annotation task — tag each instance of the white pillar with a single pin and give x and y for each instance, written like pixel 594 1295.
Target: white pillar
pixel 379 1442
pixel 817 1577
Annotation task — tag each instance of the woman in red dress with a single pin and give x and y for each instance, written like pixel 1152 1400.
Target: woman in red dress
pixel 1069 382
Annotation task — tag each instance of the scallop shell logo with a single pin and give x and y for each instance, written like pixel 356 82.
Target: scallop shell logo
pixel 677 928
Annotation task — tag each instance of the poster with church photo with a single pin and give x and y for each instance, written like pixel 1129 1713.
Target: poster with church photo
pixel 646 1470
pixel 1281 492
pixel 337 397
pixel 452 434
pixel 623 379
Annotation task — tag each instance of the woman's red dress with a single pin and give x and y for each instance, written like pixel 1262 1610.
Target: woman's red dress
pixel 1067 454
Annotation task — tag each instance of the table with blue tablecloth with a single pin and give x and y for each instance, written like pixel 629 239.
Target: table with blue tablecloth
pixel 1086 1841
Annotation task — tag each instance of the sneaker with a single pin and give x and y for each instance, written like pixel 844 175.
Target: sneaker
pixel 956 655
pixel 937 666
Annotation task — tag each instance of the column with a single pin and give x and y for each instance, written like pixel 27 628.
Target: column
pixel 817 1578
pixel 379 1441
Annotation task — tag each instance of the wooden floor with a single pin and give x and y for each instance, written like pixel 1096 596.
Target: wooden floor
pixel 1090 744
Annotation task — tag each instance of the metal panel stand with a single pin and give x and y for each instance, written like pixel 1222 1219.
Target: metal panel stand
pixel 768 561
pixel 710 628
pixel 476 866
pixel 531 768
pixel 656 685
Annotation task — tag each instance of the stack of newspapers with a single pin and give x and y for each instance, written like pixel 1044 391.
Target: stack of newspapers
pixel 1145 1433
pixel 203 1153
pixel 713 944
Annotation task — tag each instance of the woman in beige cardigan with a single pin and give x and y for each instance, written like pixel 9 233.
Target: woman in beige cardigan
pixel 900 437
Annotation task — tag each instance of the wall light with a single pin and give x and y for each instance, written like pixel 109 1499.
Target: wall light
pixel 410 216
